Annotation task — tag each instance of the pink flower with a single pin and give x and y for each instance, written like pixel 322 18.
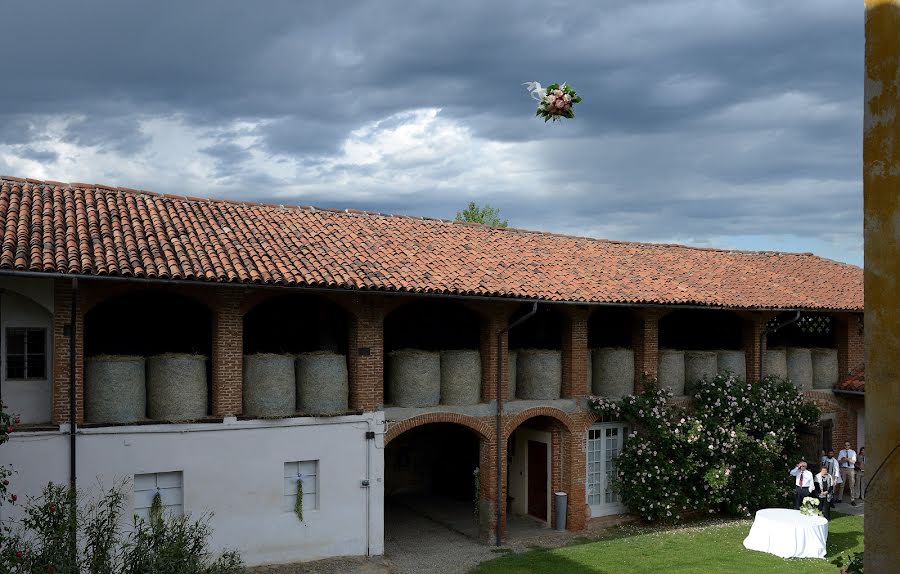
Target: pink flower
pixel 560 104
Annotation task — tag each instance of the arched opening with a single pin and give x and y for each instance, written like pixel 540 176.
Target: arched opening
pixel 804 351
pixel 295 357
pixel 25 343
pixel 611 352
pixel 147 355
pixel 535 355
pixel 430 477
pixel 534 472
pixel 695 344
pixel 432 355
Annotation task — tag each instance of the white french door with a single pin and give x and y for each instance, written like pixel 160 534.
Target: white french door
pixel 604 442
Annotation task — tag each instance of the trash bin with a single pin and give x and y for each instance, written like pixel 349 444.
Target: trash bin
pixel 560 500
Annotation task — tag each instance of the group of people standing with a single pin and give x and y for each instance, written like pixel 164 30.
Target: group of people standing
pixel 834 475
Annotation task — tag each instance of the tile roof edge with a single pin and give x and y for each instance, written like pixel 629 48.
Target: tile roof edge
pixel 365 213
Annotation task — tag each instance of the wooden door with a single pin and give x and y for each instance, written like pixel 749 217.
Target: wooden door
pixel 537 479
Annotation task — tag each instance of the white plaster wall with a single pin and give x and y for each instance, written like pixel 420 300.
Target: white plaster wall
pixel 29 399
pixel 518 469
pixel 234 469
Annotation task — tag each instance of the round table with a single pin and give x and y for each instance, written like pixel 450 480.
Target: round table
pixel 788 534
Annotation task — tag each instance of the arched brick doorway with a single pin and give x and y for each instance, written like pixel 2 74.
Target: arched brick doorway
pixel 542 458
pixel 430 463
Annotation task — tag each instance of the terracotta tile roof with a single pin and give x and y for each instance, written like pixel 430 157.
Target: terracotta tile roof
pixel 856 381
pixel 99 230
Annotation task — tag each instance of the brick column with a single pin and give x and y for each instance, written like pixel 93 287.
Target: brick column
pixel 754 325
pixel 575 475
pixel 849 338
pixel 365 350
pixel 492 321
pixel 227 353
pixel 574 353
pixel 488 477
pixel 645 341
pixel 62 315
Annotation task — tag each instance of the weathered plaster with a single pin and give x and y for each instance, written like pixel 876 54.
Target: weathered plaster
pixel 881 182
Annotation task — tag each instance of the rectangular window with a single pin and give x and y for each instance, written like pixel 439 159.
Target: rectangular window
pixel 26 353
pixel 306 471
pixel 170 489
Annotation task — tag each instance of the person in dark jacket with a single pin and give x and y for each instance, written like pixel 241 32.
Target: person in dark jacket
pixel 824 488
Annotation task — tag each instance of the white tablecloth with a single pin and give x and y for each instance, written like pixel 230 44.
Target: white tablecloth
pixel 788 534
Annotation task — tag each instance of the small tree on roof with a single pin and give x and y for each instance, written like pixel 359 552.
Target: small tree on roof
pixel 486 215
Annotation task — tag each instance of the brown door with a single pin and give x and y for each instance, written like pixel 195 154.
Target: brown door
pixel 537 479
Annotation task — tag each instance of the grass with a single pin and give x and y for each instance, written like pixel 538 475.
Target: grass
pixel 716 547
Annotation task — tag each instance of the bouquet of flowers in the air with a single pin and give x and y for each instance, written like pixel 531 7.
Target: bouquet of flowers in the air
pixel 555 101
pixel 810 507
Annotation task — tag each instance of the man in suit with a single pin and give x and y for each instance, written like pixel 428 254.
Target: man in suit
pixel 803 482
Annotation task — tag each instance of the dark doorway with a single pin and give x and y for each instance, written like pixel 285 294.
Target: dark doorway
pixel 537 479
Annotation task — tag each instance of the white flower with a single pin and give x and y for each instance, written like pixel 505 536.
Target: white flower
pixel 550 99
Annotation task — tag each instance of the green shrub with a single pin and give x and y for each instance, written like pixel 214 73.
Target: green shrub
pixel 41 541
pixel 729 453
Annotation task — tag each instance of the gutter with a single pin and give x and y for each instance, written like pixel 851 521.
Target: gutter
pixel 73 414
pixel 498 436
pixel 359 291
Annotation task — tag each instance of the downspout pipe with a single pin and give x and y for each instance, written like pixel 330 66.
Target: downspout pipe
pixel 73 413
pixel 498 437
pixel 762 341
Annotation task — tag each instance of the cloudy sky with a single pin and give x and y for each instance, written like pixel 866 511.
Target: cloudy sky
pixel 732 123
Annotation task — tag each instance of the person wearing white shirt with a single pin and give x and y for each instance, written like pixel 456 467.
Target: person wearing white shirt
pixel 834 470
pixel 803 482
pixel 847 460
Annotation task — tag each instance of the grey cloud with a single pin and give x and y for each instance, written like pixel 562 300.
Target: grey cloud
pixel 692 109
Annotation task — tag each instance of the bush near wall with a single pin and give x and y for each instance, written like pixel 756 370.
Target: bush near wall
pixel 42 540
pixel 729 453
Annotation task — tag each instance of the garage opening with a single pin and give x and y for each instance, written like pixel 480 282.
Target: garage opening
pixel 431 473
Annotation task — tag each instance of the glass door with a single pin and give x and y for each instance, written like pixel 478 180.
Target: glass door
pixel 604 442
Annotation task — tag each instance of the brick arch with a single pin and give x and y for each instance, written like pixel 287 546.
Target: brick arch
pixel 256 297
pixel 481 428
pixel 558 415
pixel 97 295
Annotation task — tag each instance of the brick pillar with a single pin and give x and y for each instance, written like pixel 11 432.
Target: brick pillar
pixel 754 325
pixel 574 353
pixel 645 341
pixel 62 314
pixel 493 319
pixel 849 338
pixel 575 476
pixel 227 353
pixel 365 350
pixel 488 477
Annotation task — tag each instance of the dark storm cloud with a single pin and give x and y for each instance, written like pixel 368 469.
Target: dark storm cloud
pixel 696 113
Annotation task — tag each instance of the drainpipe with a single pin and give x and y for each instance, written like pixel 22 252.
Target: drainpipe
pixel 762 341
pixel 73 411
pixel 501 504
pixel 2 341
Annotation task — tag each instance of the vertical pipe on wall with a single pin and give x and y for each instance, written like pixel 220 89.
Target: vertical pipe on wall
pixel 73 413
pixel 498 436
pixel 762 342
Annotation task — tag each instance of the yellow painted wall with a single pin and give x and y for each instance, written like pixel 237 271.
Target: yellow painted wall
pixel 881 180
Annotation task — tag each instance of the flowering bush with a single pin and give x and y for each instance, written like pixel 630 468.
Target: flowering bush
pixel 555 102
pixel 728 453
pixel 810 506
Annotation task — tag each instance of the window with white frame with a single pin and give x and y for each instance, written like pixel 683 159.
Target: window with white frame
pixel 307 472
pixel 168 485
pixel 26 353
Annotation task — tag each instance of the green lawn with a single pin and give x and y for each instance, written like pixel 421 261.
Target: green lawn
pixel 700 549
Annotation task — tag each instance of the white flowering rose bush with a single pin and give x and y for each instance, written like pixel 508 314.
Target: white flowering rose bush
pixel 728 453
